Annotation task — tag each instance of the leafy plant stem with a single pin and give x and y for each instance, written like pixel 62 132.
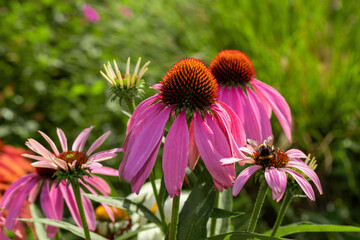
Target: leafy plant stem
pixel 76 187
pixel 159 203
pixel 285 204
pixel 130 104
pixel 257 207
pixel 213 220
pixel 174 218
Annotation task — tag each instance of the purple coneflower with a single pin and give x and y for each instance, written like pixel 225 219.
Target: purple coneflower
pixel 202 126
pixel 236 75
pixel 53 193
pixel 276 163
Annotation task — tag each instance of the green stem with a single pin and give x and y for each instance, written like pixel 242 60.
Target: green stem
pixel 257 207
pixel 76 187
pixel 130 104
pixel 285 204
pixel 174 218
pixel 159 203
pixel 57 236
pixel 213 220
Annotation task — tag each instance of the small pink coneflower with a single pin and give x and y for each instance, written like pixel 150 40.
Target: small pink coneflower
pixel 235 74
pixel 90 13
pixel 53 193
pixel 202 126
pixel 275 163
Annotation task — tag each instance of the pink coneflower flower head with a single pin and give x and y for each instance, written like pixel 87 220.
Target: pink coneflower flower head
pixel 200 125
pixel 90 13
pixel 275 163
pixel 252 100
pixel 53 191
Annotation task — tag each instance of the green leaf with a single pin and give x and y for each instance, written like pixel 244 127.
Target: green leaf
pixel 226 203
pixel 121 202
pixel 131 234
pixel 222 213
pixel 311 227
pixel 64 225
pixel 242 235
pixel 39 228
pixel 197 209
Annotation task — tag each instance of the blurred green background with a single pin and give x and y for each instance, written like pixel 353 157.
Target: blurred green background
pixel 51 55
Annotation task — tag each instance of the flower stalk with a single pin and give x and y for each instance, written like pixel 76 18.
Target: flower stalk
pixel 285 204
pixel 159 204
pixel 174 217
pixel 76 188
pixel 213 220
pixel 257 207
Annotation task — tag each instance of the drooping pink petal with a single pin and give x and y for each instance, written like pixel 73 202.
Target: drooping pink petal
pixel 295 153
pixel 38 158
pixel 57 198
pixel 99 156
pixel 99 183
pixel 243 177
pixel 3 235
pixel 145 171
pixel 276 180
pixel 49 209
pixel 44 164
pixel 80 141
pixel 62 138
pixel 145 144
pixel 248 150
pixel 51 143
pixel 98 143
pixel 213 146
pixel 14 189
pixel 156 86
pixel 17 202
pixel 89 212
pixel 237 129
pixel 106 171
pixel 304 184
pixel 175 155
pixel 307 170
pixel 277 103
pixel 193 150
pixel 139 110
pixel 260 114
pixel 69 198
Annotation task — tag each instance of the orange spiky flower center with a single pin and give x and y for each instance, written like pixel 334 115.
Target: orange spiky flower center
pixel 232 67
pixel 267 155
pixel 71 156
pixel 189 84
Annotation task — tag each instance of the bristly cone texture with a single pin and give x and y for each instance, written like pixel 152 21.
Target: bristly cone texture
pixel 189 84
pixel 232 67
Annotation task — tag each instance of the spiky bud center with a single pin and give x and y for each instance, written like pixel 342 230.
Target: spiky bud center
pixel 71 156
pixel 189 84
pixel 232 67
pixel 267 155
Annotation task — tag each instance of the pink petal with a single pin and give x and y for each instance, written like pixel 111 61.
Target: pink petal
pixel 156 86
pixel 51 143
pixel 99 183
pixel 243 177
pixel 304 184
pixel 308 171
pixel 145 171
pixel 105 171
pixel 193 150
pixel 57 199
pixel 49 209
pixel 69 198
pixel 18 201
pixel 145 144
pixel 139 110
pixel 295 153
pixel 62 138
pixel 89 212
pixel 80 141
pixel 38 158
pixel 40 149
pixel 175 155
pixel 3 235
pixel 240 161
pixel 276 180
pixel 213 146
pixel 91 13
pixel 100 155
pixel 277 102
pixel 260 114
pixel 44 164
pixel 98 143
